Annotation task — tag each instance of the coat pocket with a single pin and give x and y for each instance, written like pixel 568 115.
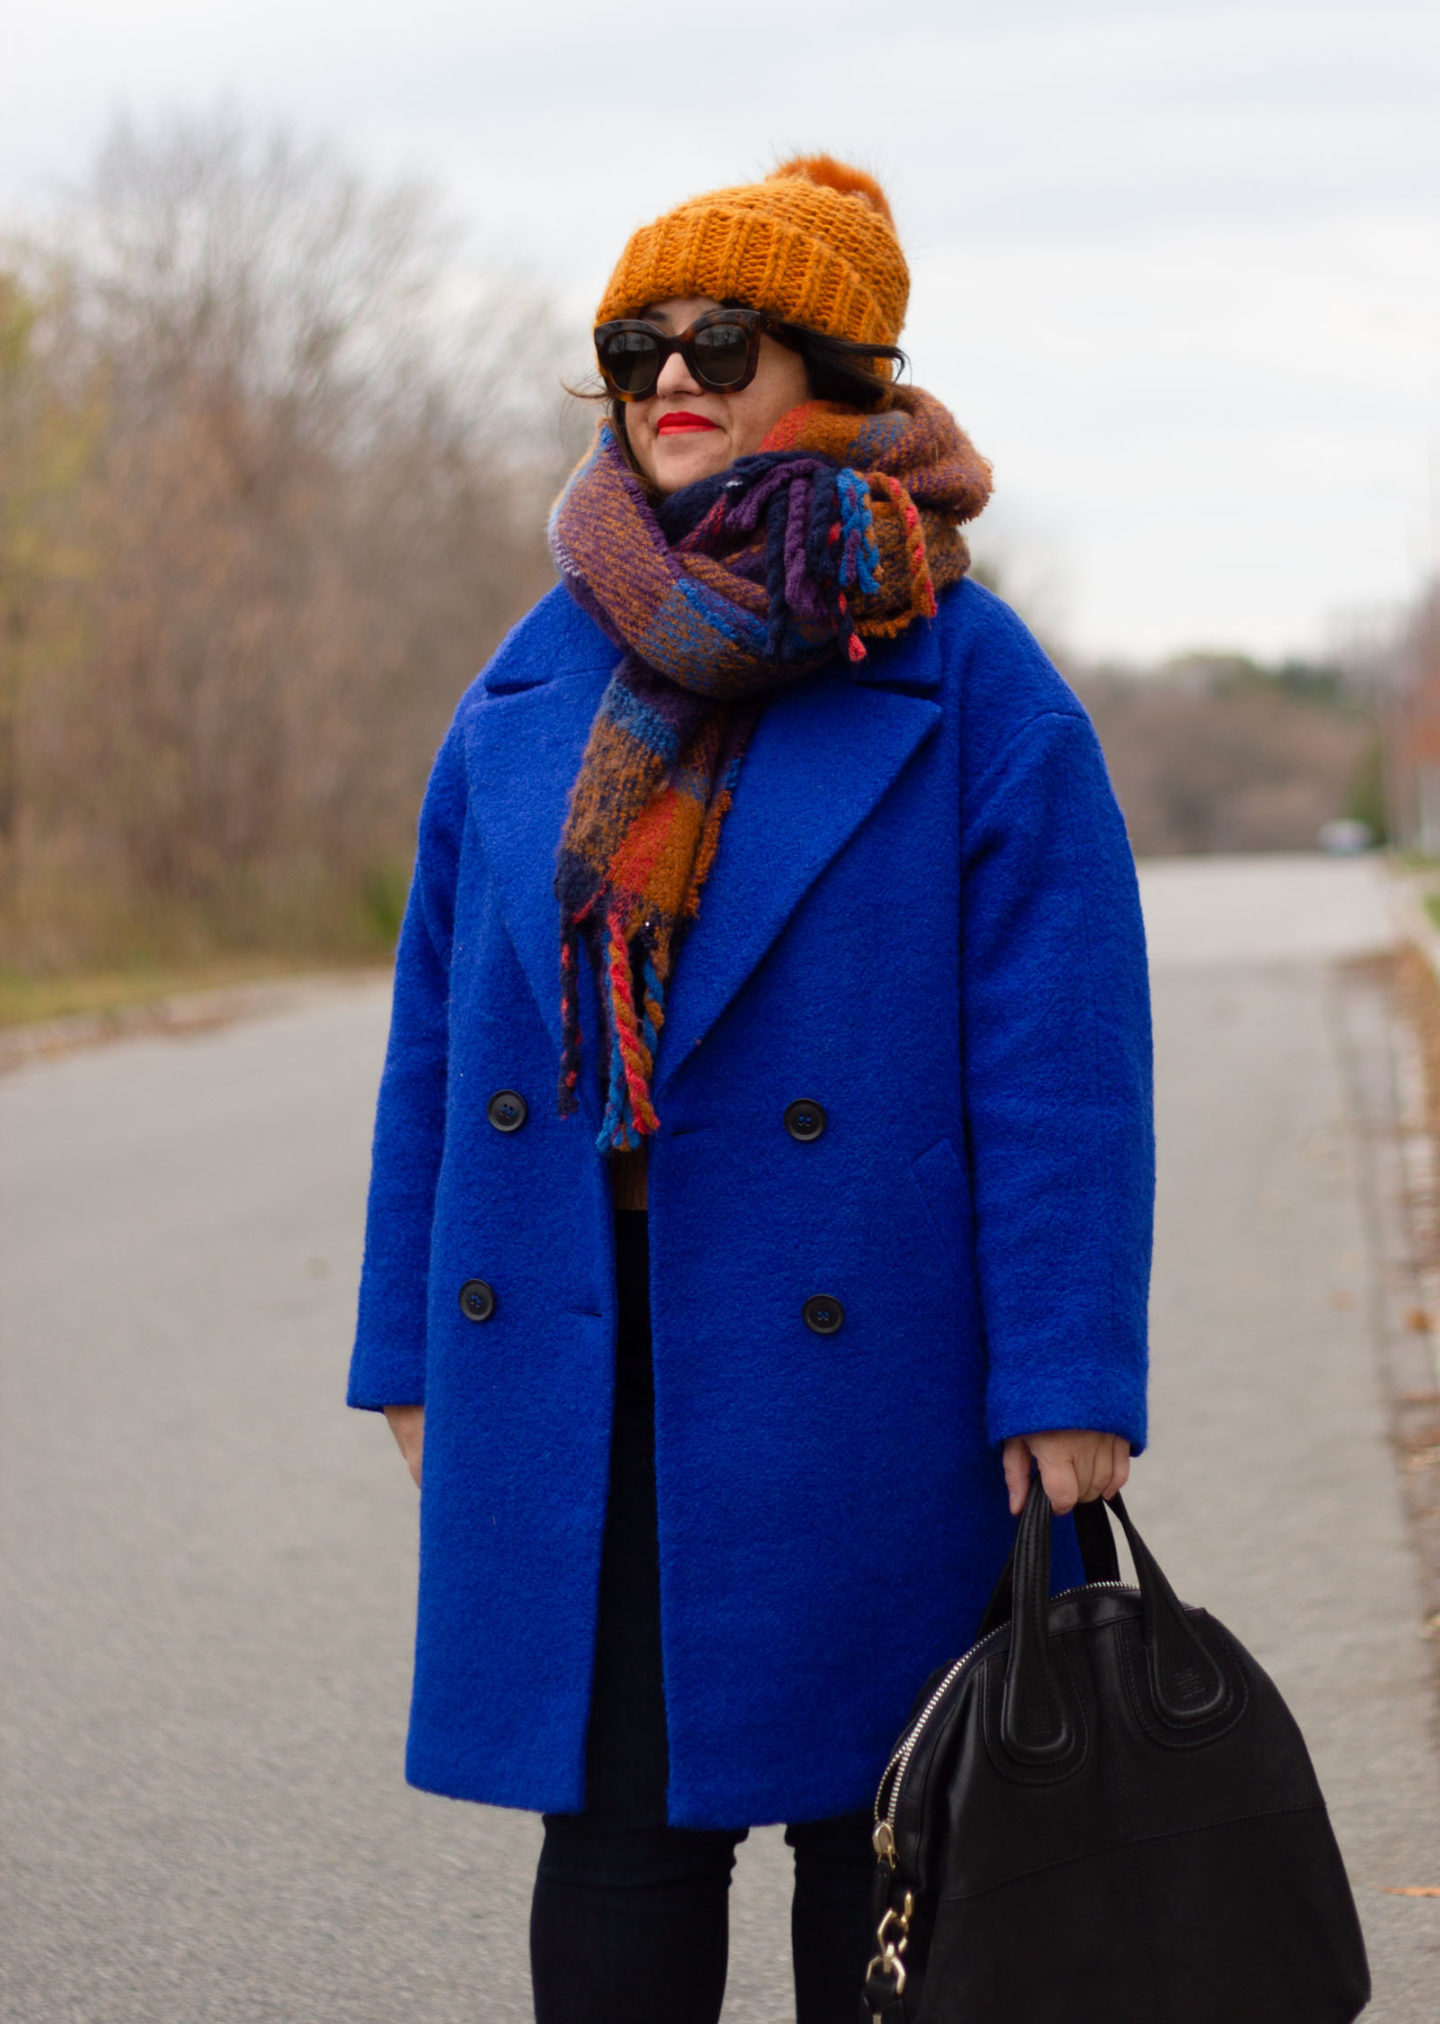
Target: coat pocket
pixel 945 1191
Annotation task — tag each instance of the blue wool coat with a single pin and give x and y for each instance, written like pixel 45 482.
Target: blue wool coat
pixel 923 916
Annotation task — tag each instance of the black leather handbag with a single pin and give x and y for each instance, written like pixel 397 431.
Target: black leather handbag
pixel 1104 1813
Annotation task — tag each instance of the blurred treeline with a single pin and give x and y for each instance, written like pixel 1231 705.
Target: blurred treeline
pixel 1409 693
pixel 273 480
pixel 1217 752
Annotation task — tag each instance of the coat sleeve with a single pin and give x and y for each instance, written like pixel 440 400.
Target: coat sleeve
pixel 387 1366
pixel 1058 1085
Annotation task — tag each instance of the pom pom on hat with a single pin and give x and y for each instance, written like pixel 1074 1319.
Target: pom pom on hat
pixel 814 243
pixel 833 175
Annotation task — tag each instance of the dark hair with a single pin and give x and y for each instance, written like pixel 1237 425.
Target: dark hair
pixel 837 369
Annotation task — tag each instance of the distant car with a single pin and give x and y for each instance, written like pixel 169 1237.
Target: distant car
pixel 1344 836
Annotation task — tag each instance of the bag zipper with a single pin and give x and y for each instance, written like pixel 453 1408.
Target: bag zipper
pixel 883 1836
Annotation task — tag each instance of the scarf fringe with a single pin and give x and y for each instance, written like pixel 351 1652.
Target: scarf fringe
pixel 630 1107
pixel 632 1035
pixel 569 1019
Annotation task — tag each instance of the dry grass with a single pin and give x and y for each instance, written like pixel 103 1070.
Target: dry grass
pixel 26 999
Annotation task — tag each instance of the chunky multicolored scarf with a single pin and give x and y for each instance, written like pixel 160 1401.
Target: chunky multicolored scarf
pixel 841 528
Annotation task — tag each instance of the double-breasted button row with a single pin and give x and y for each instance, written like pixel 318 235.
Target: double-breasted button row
pixel 805 1119
pixel 822 1311
pixel 507 1110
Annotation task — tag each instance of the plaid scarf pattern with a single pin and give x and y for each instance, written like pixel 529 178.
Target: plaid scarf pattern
pixel 842 528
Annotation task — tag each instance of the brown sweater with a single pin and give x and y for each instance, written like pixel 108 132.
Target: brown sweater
pixel 627 1178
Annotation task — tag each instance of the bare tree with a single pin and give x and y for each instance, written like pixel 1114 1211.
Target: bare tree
pixel 315 500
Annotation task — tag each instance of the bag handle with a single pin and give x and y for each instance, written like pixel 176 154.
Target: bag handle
pixel 1187 1682
pixel 1097 1554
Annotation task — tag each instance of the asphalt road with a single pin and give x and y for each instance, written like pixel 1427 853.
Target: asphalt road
pixel 208 1563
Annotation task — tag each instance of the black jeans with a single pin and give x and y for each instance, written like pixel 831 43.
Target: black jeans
pixel 629 1923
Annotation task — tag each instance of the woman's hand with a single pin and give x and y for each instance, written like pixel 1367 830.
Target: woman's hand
pixel 407 1424
pixel 1076 1466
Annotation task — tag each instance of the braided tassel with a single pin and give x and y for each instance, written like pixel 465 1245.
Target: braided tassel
pixel 613 1132
pixel 570 1011
pixel 860 564
pixel 654 1002
pixel 630 1092
pixel 922 589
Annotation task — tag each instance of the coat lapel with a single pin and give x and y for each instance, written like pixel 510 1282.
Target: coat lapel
pixel 822 756
pixel 523 750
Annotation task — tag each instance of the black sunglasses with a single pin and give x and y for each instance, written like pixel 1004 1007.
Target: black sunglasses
pixel 721 348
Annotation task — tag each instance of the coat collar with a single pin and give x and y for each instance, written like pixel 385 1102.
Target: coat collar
pixel 822 756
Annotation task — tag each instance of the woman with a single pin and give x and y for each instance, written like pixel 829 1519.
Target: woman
pixel 819 911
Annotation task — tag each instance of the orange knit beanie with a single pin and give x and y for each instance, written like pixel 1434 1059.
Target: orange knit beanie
pixel 813 244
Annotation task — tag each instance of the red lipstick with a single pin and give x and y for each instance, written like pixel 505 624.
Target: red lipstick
pixel 679 422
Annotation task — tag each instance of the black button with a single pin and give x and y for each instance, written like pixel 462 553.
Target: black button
pixel 507 1110
pixel 477 1300
pixel 823 1314
pixel 803 1119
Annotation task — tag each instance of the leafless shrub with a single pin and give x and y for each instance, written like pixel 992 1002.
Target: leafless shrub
pixel 305 492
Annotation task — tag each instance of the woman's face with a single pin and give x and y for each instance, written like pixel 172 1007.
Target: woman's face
pixel 684 432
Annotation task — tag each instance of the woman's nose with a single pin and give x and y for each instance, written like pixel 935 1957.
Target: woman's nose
pixel 676 377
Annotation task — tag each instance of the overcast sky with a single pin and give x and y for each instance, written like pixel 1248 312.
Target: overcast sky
pixel 1176 265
